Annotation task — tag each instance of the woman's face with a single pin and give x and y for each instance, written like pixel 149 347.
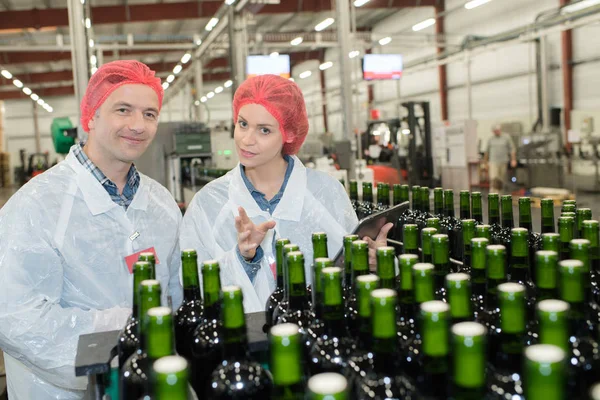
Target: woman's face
pixel 257 137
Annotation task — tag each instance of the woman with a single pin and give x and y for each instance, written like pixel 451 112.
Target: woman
pixel 235 219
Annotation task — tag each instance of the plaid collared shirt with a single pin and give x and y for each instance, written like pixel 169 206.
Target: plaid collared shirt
pixel 131 185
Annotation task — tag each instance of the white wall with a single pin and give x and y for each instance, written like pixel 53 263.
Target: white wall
pixel 504 85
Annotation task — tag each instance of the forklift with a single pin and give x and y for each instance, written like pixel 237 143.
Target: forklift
pixel 401 147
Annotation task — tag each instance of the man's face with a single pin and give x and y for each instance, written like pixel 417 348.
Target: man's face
pixel 126 123
pixel 497 132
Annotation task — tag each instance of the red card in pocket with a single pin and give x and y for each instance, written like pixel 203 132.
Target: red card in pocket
pixel 132 258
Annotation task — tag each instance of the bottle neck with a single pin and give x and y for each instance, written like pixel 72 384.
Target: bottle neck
pixel 191 293
pixel 493 212
pixel 157 339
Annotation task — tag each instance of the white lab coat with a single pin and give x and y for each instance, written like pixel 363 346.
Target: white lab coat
pixel 312 202
pixel 63 274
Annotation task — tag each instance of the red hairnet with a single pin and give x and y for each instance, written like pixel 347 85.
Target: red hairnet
pixel 108 78
pixel 283 99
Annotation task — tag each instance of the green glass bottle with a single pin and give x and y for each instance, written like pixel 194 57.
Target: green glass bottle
pixel 315 321
pixel 547 215
pixel 433 222
pixel 287 363
pixel 465 204
pixel 364 287
pixel 284 304
pixel 319 242
pixel 584 355
pixel 360 266
pixel 579 249
pixel 553 319
pixel 189 314
pixel 148 256
pixel 156 341
pixel 458 287
pixel 366 206
pixel 277 296
pixel 298 311
pixel 438 202
pixel 484 231
pixel 507 211
pixel 328 386
pixel 568 207
pixel 570 203
pixel 493 209
pixel 404 193
pixel 330 351
pixel 432 367
pixel 565 230
pixel 416 198
pixel 208 340
pixel 551 241
pixel 590 232
pixel 449 202
pixel 348 284
pixel 545 372
pixel 397 194
pixel 477 207
pixel 520 270
pixel 354 194
pixel 238 376
pixel 386 269
pixel 129 338
pixel 508 343
pixel 582 214
pixel 383 195
pixel 496 275
pixel 525 214
pixel 383 379
pixel 441 262
pixel 478 277
pixel 570 214
pixel 425 202
pixel 426 245
pixel 170 378
pixel 422 275
pixel 410 235
pixel 406 298
pixel 469 360
pixel 547 275
pixel 468 233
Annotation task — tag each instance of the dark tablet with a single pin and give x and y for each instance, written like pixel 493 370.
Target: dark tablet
pixel 371 226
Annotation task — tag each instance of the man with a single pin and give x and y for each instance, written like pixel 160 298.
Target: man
pixel 65 237
pixel 500 150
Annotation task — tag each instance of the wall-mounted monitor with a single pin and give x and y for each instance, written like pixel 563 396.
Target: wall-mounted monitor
pixel 262 65
pixel 382 66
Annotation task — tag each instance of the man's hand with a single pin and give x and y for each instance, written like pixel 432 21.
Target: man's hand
pixel 513 163
pixel 249 235
pixel 380 241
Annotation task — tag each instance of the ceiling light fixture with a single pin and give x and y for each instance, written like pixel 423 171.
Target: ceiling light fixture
pixel 354 54
pixel 34 97
pixel 219 89
pixel 186 57
pixel 580 5
pixel 228 83
pixel 305 74
pixel 297 41
pixel 18 83
pixel 203 99
pixel 177 69
pixel 325 65
pixel 385 40
pixel 360 3
pixel 212 23
pixel 27 91
pixel 475 3
pixel 423 24
pixel 6 74
pixel 210 95
pixel 324 24
pixel 170 78
pixel 165 85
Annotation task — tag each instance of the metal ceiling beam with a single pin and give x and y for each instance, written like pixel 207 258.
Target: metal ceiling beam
pixel 7 58
pixel 116 14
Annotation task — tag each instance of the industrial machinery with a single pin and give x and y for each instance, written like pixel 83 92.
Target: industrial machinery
pixel 63 134
pixel 175 157
pixel 402 144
